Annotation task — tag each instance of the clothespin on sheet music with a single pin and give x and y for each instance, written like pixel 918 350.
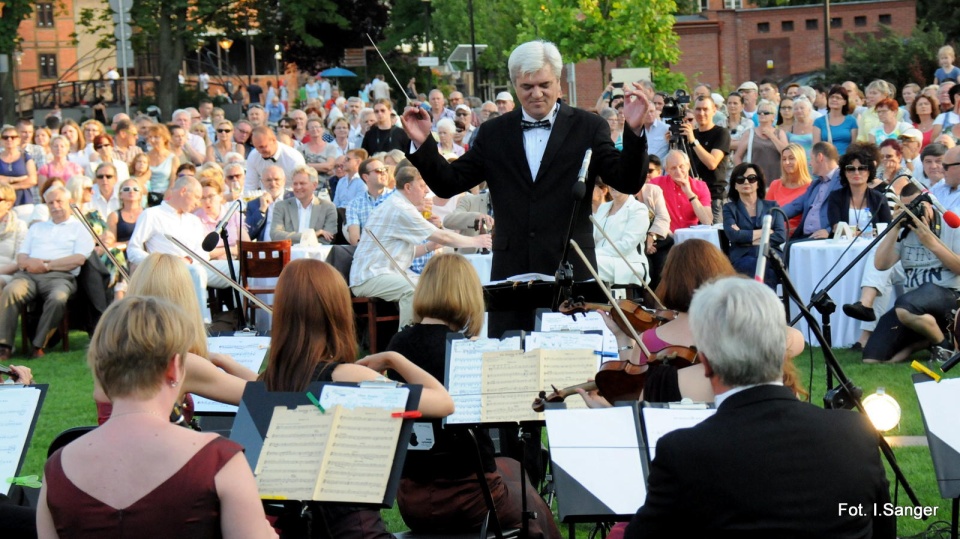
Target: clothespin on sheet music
pixel 31 481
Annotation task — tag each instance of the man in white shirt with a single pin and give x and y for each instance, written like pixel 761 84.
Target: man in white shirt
pixel 267 151
pixel 304 211
pixel 49 261
pixel 195 148
pixel 381 90
pixel 174 217
pixel 105 199
pixel 402 229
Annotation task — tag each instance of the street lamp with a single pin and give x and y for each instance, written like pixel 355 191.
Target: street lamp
pixel 225 44
pixel 277 56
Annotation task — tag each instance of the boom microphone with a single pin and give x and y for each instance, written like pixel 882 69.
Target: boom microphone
pixel 952 220
pixel 764 247
pixel 210 242
pixel 580 188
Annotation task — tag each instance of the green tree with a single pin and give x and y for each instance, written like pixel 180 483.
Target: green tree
pixel 605 30
pixel 941 14
pixel 890 57
pixel 12 12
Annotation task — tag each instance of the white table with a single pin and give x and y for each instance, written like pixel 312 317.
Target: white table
pixel 710 233
pixel 318 252
pixel 483 264
pixel 808 262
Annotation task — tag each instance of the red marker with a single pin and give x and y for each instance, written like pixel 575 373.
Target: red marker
pixel 407 415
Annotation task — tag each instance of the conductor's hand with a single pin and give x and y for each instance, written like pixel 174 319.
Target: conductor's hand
pixel 483 241
pixel 416 122
pixel 635 106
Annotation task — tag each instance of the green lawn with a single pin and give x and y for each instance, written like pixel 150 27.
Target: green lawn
pixel 69 403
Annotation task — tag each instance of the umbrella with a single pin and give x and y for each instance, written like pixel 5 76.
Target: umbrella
pixel 335 72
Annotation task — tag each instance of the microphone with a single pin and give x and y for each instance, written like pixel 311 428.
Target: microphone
pixel 210 242
pixel 950 363
pixel 952 220
pixel 764 247
pixel 580 188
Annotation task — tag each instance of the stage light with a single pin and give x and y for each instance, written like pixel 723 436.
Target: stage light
pixel 883 410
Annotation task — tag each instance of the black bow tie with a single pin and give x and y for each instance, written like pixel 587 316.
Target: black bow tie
pixel 542 124
pixel 274 159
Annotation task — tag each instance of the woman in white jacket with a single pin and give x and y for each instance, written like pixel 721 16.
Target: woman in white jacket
pixel 625 220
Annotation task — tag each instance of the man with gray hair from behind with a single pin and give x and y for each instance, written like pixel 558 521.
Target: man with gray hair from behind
pixel 765 464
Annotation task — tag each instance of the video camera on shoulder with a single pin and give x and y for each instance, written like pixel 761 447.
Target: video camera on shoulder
pixel 673 111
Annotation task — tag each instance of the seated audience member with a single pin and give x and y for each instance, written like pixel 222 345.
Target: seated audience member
pixel 349 186
pixel 105 196
pixel 625 221
pixel 659 239
pixel 314 341
pixel 49 261
pixel 121 222
pixel 822 459
pixel 743 221
pixel 923 315
pixel 688 199
pixel 105 154
pixel 402 229
pixel 294 216
pixel 13 231
pixel 233 175
pixel 438 488
pixel 174 217
pixel 268 152
pixel 793 182
pixel 211 211
pixel 260 210
pixel 472 207
pixel 375 176
pixel 931 164
pixel 202 480
pixel 812 204
pixel 855 203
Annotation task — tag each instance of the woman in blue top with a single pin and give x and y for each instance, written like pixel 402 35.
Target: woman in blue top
pixel 838 126
pixel 743 220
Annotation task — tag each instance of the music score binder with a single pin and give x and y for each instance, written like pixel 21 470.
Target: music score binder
pixel 299 453
pixel 21 407
pixel 247 350
pixel 939 402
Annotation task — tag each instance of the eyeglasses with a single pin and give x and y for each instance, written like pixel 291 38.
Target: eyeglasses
pixel 946 166
pixel 104 176
pixel 88 188
pixel 740 180
pixel 10 137
pixel 242 132
pixel 234 176
pixel 339 165
pixel 130 189
pixel 101 146
pixel 882 110
pixel 380 170
pixel 766 113
pixel 853 168
pixel 224 130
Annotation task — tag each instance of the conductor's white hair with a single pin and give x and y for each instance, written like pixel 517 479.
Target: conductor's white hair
pixel 531 57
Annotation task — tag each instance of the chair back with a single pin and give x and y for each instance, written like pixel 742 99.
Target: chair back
pixel 263 259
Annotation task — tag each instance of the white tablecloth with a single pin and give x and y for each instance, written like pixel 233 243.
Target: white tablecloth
pixel 700 232
pixel 808 262
pixel 318 252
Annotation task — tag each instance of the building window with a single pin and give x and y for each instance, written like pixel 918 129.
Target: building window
pixel 703 4
pixel 836 22
pixel 733 4
pixel 860 20
pixel 886 18
pixel 813 24
pixel 763 27
pixel 44 15
pixel 786 26
pixel 48 66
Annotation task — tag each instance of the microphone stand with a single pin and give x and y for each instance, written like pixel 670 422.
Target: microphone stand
pixel 564 274
pixel 848 394
pixel 79 215
pixel 233 272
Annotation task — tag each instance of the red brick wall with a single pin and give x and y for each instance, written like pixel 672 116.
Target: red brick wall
pixel 54 40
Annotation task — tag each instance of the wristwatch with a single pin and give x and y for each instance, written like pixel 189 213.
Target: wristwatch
pixel 695 143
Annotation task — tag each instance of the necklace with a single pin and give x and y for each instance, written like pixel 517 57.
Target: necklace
pixel 857 209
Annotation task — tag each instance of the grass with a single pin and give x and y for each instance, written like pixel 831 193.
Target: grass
pixel 69 403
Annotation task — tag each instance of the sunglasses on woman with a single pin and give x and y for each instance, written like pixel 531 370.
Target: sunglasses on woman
pixel 854 168
pixel 740 180
pixel 130 189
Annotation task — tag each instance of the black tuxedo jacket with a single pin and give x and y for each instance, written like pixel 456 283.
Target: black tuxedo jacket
pixel 767 465
pixel 532 216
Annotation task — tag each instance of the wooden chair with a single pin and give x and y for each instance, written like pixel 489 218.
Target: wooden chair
pixel 341 258
pixel 261 260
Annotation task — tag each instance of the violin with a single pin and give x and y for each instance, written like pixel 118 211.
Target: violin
pixel 640 318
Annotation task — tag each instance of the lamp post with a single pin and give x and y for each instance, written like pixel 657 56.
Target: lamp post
pixel 18 57
pixel 225 44
pixel 277 56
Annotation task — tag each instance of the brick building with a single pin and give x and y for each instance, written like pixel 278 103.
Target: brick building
pixel 727 44
pixel 47 47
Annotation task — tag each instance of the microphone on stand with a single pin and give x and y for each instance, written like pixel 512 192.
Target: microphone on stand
pixel 764 248
pixel 952 219
pixel 210 242
pixel 950 363
pixel 580 188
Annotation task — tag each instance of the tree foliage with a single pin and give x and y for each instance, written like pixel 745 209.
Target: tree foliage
pixel 941 14
pixel 641 30
pixel 889 56
pixel 12 13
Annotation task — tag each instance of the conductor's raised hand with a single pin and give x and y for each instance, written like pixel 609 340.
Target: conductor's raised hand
pixel 416 123
pixel 635 106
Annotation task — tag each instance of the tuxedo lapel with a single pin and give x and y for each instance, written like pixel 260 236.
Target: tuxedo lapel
pixel 558 133
pixel 514 139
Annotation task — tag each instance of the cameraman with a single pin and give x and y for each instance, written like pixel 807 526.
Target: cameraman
pixel 709 143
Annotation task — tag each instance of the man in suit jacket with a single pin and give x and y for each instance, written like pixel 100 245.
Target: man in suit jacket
pixel 530 158
pixel 766 464
pixel 471 207
pixel 812 204
pixel 260 210
pixel 304 211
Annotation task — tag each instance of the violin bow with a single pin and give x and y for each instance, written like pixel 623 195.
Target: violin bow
pixel 390 257
pixel 643 282
pixel 236 286
pixel 610 298
pixel 79 215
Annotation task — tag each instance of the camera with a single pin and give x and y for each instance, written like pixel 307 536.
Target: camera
pixel 673 110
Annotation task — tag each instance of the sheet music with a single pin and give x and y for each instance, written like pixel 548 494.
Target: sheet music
pixel 511 380
pixel 660 421
pixel 293 452
pixel 464 378
pixel 570 340
pixel 19 405
pixel 600 450
pixel 939 402
pixel 389 397
pixel 565 368
pixel 249 351
pixel 591 321
pixel 358 466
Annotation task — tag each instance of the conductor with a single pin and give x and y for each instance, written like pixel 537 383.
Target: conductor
pixel 530 158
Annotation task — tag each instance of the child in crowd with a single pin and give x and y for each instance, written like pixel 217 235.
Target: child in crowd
pixel 947 70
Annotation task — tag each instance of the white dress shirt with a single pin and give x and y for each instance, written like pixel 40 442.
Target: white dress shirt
pixel 47 240
pixel 535 141
pixel 148 235
pixel 286 157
